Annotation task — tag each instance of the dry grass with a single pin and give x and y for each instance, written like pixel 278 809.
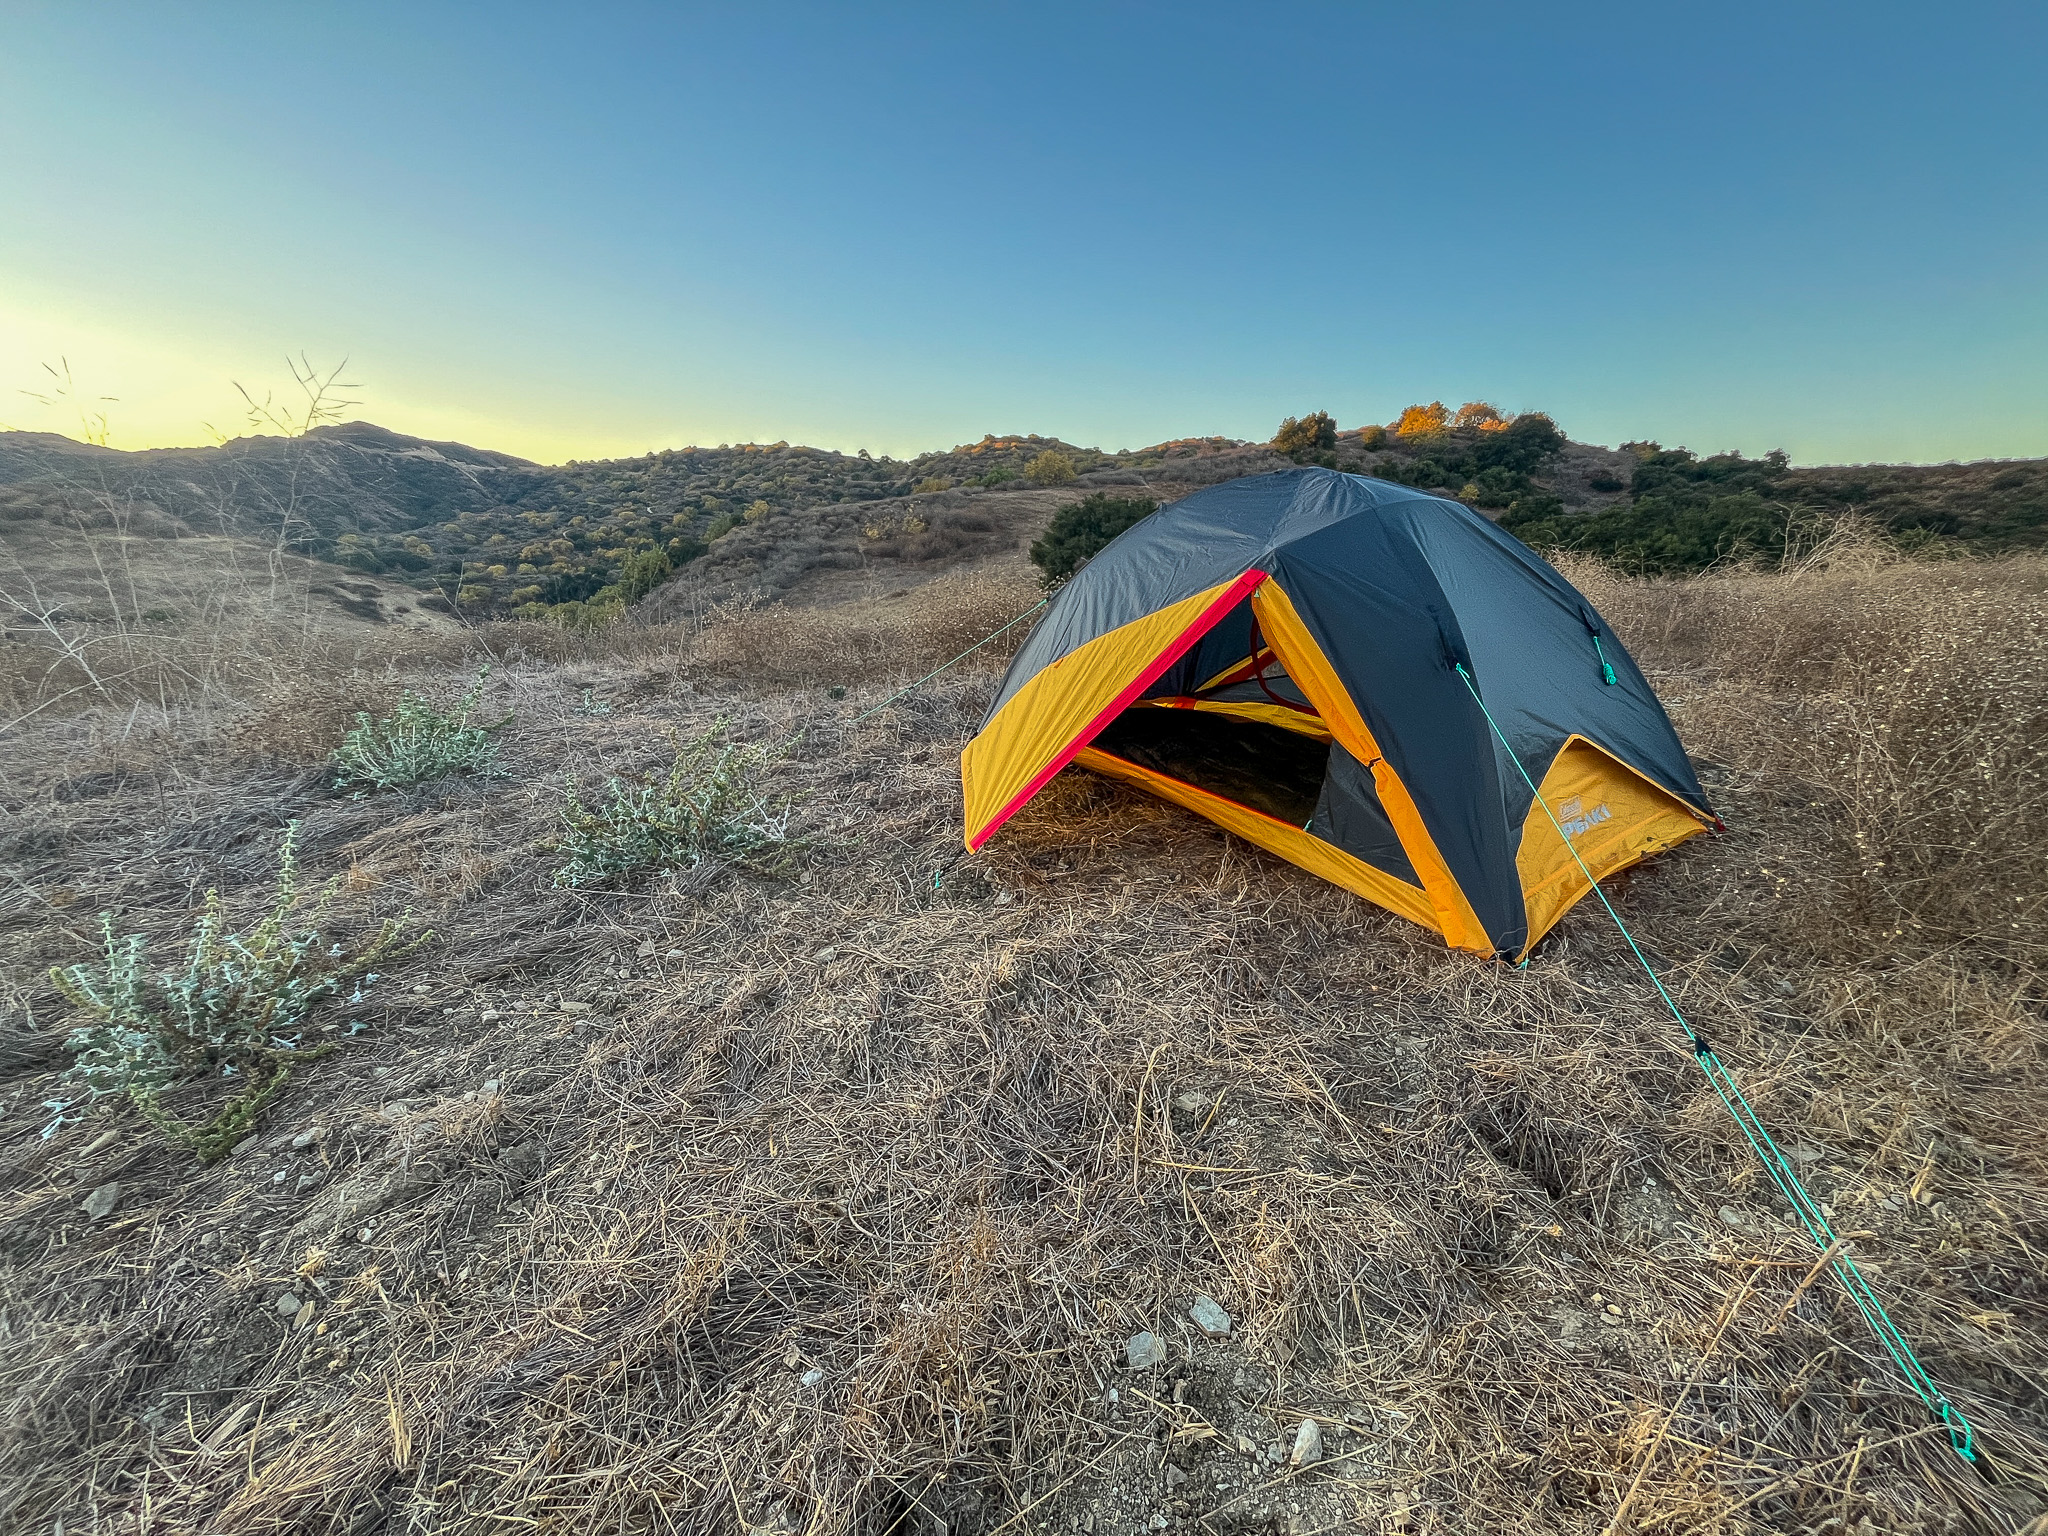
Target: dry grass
pixel 617 1172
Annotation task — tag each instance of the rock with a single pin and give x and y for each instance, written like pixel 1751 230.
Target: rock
pixel 1733 1217
pixel 1174 1476
pixel 1144 1350
pixel 421 988
pixel 1308 1445
pixel 100 1143
pixel 646 949
pixel 397 1109
pixel 1192 1103
pixel 826 956
pixel 288 1303
pixel 576 1009
pixel 307 1181
pixel 1801 1153
pixel 307 1138
pixel 492 1085
pixel 1785 988
pixel 280 1176
pixel 1613 1310
pixel 812 1377
pixel 99 1205
pixel 246 1144
pixel 490 1016
pixel 1210 1318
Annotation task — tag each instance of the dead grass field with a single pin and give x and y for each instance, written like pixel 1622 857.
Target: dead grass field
pixel 827 1204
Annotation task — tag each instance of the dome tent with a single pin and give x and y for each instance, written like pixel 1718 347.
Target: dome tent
pixel 1283 655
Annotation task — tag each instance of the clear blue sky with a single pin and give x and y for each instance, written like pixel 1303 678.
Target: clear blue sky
pixel 596 229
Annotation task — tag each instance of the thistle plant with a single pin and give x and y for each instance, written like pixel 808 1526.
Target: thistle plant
pixel 235 1008
pixel 705 807
pixel 417 742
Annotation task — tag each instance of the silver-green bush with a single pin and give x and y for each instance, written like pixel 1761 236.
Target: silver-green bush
pixel 706 807
pixel 417 742
pixel 235 1008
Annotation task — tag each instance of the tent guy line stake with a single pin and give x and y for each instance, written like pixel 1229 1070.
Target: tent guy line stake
pixel 1961 1436
pixel 935 671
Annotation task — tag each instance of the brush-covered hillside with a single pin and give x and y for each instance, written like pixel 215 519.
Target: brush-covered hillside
pixel 603 1096
pixel 487 536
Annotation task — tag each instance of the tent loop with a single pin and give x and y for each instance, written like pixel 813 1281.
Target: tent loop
pixel 1961 1434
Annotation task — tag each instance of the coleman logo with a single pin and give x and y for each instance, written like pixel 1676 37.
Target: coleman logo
pixel 1575 818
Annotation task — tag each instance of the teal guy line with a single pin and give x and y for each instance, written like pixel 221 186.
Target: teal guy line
pixel 1961 1436
pixel 935 671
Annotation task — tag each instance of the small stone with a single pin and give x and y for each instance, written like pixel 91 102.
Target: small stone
pixel 246 1144
pixel 576 1009
pixel 1613 1310
pixel 1144 1350
pixel 288 1303
pixel 1596 1298
pixel 646 949
pixel 1192 1103
pixel 1802 1153
pixel 490 1016
pixel 99 1205
pixel 420 989
pixel 100 1143
pixel 1609 1322
pixel 307 1138
pixel 826 955
pixel 1308 1445
pixel 1785 988
pixel 1174 1476
pixel 307 1181
pixel 491 1085
pixel 397 1109
pixel 812 1377
pixel 672 954
pixel 1210 1318
pixel 207 1239
pixel 280 1176
pixel 380 1071
pixel 364 1235
pixel 1733 1217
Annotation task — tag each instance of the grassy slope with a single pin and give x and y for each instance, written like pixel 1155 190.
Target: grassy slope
pixel 614 1172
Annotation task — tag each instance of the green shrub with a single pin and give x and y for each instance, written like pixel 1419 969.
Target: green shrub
pixel 237 1008
pixel 720 527
pixel 642 574
pixel 1373 439
pixel 1081 528
pixel 1314 433
pixel 931 485
pixel 707 806
pixel 1051 467
pixel 417 742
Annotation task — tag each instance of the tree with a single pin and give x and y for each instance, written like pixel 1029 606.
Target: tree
pixel 1050 467
pixel 1477 413
pixel 1079 529
pixel 1314 433
pixel 1429 420
pixel 642 573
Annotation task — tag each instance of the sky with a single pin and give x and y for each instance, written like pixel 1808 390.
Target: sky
pixel 590 231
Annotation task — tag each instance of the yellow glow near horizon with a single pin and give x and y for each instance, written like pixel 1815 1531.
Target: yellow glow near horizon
pixel 163 391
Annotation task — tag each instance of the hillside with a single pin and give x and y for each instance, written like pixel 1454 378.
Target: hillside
pixel 496 536
pixel 828 1193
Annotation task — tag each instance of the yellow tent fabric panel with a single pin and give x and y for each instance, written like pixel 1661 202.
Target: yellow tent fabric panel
pixel 1290 842
pixel 1615 817
pixel 1059 710
pixel 1317 680
pixel 1250 709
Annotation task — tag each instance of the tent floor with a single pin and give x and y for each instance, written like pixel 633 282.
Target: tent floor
pixel 1260 766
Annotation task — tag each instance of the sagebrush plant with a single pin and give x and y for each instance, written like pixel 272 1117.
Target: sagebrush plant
pixel 707 806
pixel 417 742
pixel 235 1008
